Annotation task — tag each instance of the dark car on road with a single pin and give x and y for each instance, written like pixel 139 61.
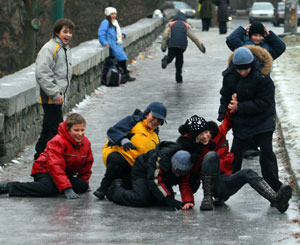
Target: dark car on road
pixel 279 14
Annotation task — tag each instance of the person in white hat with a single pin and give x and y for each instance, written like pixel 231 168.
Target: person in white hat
pixel 110 35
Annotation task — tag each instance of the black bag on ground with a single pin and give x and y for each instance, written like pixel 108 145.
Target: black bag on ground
pixel 111 75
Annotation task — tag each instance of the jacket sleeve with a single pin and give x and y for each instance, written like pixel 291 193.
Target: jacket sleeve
pixel 185 189
pixel 86 170
pixel 156 182
pixel 56 164
pixel 102 32
pixel 263 100
pixel 44 73
pixel 236 38
pixel 120 130
pixel 195 39
pixel 165 38
pixel 226 123
pixel 277 46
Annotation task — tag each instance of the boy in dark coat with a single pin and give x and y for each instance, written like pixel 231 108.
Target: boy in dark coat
pixel 153 176
pixel 175 38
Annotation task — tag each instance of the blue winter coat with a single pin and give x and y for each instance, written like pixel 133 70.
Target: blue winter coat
pixel 272 42
pixel 108 35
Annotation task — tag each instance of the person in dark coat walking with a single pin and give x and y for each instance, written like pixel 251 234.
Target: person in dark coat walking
pixel 207 142
pixel 175 38
pixel 153 176
pixel 64 167
pixel 249 91
pixel 206 13
pixel 222 14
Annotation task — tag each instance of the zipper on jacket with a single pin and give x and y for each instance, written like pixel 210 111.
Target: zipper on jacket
pixel 67 72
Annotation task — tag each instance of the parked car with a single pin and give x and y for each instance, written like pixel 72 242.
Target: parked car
pixel 261 11
pixel 279 14
pixel 182 6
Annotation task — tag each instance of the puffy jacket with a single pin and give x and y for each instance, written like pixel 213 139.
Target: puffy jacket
pixel 136 129
pixel 53 70
pixel 219 144
pixel 155 166
pixel 255 94
pixel 272 42
pixel 64 157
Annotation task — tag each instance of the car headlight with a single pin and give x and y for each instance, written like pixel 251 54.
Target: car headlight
pixel 194 11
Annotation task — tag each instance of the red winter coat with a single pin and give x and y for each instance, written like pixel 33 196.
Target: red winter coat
pixel 64 157
pixel 221 148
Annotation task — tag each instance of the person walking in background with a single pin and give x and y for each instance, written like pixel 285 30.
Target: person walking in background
pixel 65 165
pixel 206 13
pixel 53 74
pixel 222 14
pixel 175 39
pixel 132 136
pixel 110 35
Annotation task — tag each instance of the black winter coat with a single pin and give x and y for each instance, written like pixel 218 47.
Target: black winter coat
pixel 222 10
pixel 255 94
pixel 155 166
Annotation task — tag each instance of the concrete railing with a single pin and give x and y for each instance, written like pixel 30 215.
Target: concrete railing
pixel 20 113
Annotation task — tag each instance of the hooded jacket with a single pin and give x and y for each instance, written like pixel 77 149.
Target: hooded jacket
pixel 176 33
pixel 136 129
pixel 63 157
pixel 219 144
pixel 255 94
pixel 53 70
pixel 155 166
pixel 272 42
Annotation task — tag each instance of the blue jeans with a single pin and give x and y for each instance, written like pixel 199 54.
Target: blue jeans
pixel 225 186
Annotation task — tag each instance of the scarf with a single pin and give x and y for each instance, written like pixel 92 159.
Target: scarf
pixel 118 29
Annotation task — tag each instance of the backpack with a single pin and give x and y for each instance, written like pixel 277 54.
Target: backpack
pixel 111 75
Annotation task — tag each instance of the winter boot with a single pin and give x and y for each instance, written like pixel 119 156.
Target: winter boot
pixel 99 193
pixel 164 62
pixel 207 186
pixel 3 187
pixel 278 200
pixel 178 78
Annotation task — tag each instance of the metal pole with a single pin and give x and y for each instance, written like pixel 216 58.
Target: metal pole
pixel 57 10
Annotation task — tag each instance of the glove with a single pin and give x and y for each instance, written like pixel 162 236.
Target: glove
pixel 163 50
pixel 203 49
pixel 173 204
pixel 127 145
pixel 70 194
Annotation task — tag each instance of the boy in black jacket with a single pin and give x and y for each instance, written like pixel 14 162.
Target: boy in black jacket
pixel 153 176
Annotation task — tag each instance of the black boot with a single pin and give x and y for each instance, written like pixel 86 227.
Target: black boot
pixel 99 193
pixel 178 77
pixel 128 78
pixel 279 200
pixel 3 187
pixel 207 186
pixel 117 183
pixel 164 62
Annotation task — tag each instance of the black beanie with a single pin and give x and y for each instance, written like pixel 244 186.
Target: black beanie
pixel 256 28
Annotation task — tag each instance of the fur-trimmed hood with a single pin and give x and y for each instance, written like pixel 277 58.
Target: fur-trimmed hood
pixel 262 55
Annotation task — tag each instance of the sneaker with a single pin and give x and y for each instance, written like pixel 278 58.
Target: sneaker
pixel 164 62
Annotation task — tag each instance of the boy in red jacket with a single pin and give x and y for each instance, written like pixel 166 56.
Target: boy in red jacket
pixel 64 166
pixel 212 163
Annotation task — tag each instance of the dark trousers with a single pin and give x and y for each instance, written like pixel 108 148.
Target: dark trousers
pixel 178 54
pixel 117 168
pixel 53 116
pixel 43 186
pixel 205 24
pixel 267 158
pixel 226 185
pixel 223 27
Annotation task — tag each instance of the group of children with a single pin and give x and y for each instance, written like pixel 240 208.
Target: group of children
pixel 141 170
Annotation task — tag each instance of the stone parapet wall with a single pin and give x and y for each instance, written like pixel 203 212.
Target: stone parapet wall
pixel 20 113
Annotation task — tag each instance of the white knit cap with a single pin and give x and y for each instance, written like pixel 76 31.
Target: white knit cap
pixel 110 10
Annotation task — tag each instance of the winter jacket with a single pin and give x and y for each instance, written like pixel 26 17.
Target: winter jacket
pixel 176 33
pixel 53 70
pixel 108 35
pixel 222 10
pixel 155 166
pixel 272 42
pixel 63 158
pixel 219 144
pixel 206 9
pixel 136 129
pixel 255 94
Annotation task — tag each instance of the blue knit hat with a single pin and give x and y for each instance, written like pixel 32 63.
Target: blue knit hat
pixel 181 162
pixel 158 110
pixel 243 58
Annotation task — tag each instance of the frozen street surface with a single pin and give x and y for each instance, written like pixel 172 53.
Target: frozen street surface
pixel 247 218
